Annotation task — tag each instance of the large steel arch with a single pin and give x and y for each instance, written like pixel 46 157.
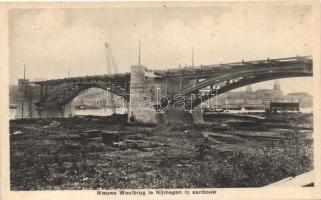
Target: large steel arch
pixel 239 74
pixel 68 91
pixel 238 78
pixel 71 96
pixel 244 82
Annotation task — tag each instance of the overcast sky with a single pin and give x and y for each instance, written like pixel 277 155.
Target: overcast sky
pixel 50 41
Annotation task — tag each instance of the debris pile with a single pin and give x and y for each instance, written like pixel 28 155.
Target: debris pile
pixel 54 124
pixel 90 153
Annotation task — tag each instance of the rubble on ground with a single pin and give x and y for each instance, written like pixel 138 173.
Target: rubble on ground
pixel 83 153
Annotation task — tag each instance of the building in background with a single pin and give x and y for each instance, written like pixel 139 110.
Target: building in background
pixel 305 100
pixel 259 99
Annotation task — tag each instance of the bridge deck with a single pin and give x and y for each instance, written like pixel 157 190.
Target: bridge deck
pixel 192 71
pixel 204 70
pixel 85 78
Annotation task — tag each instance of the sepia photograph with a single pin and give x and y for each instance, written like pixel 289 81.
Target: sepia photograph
pixel 162 98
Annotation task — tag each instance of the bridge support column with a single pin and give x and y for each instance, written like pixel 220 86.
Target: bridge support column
pixel 27 106
pixel 197 115
pixel 173 116
pixel 27 98
pixel 146 94
pixel 140 103
pixel 30 110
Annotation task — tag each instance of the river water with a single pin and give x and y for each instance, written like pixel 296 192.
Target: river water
pixel 102 112
pixel 81 112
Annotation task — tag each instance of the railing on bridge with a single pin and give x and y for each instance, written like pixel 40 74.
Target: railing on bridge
pixel 202 69
pixel 298 60
pixel 84 78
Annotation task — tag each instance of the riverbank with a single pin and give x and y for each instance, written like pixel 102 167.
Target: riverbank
pixel 109 153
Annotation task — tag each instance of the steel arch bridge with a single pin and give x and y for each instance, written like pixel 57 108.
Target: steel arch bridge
pixel 215 79
pixel 242 74
pixel 62 91
pixel 243 82
pixel 246 74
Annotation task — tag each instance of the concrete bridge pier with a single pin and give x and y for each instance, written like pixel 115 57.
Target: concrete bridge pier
pixel 146 93
pixel 197 115
pixel 142 91
pixel 30 110
pixel 27 107
pixel 174 116
pixel 26 100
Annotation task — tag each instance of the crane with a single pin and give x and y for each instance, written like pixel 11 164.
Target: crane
pixel 110 60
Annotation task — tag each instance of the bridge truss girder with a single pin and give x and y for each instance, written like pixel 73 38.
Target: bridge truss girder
pixel 240 83
pixel 230 81
pixel 62 94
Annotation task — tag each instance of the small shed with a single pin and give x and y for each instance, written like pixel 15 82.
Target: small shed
pixel 284 107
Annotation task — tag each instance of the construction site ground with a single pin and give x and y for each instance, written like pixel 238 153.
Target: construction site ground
pixel 108 153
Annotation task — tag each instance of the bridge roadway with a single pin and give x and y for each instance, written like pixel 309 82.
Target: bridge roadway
pixel 188 83
pixel 202 71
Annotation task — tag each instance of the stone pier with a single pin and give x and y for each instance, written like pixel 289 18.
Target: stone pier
pixel 142 92
pixel 146 93
pixel 27 108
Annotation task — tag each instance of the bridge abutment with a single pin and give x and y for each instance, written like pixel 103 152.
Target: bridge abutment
pixel 147 93
pixel 27 108
pixel 141 97
pixel 174 116
pixel 197 115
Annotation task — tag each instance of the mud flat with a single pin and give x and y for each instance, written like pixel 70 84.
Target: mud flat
pixel 108 153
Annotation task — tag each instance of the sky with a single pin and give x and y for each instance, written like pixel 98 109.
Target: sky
pixel 51 41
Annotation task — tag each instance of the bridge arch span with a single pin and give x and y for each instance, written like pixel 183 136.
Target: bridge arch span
pixel 239 78
pixel 64 93
pixel 244 82
pixel 254 72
